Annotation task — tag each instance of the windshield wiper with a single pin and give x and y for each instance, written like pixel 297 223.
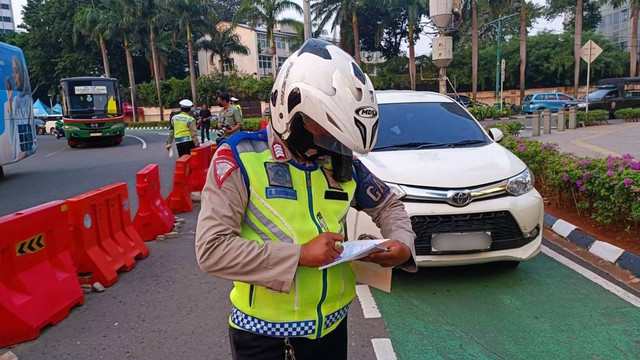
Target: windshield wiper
pixel 467 142
pixel 411 145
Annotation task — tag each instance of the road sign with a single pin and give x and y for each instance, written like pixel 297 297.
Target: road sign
pixel 590 51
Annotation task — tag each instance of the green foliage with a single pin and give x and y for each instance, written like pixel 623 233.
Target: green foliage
pixel 148 124
pixel 606 190
pixel 511 128
pixel 628 114
pixel 593 117
pixel 489 112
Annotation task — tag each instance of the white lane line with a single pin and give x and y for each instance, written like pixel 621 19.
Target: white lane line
pixel 368 304
pixel 144 144
pixel 383 349
pixel 53 153
pixel 621 293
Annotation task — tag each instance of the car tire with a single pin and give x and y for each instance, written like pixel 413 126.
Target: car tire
pixel 52 131
pixel 1 173
pixel 40 131
pixel 72 144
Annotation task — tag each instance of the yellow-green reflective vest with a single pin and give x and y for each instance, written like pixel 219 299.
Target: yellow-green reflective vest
pixel 181 132
pixel 282 207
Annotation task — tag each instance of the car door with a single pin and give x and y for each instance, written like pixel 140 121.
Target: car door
pixel 552 102
pixel 562 99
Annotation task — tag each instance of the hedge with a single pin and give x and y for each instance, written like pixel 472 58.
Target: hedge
pixel 628 114
pixel 249 124
pixel 489 112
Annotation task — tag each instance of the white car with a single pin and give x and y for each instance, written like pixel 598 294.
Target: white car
pixel 470 200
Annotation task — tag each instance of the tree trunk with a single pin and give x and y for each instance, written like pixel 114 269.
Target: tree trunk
pixel 274 55
pixel 577 44
pixel 221 65
pixel 523 51
pixel 412 58
pixel 156 72
pixel 105 59
pixel 132 79
pixel 192 71
pixel 633 47
pixel 474 49
pixel 356 37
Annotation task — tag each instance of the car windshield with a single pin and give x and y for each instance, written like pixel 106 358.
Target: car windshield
pixel 598 94
pixel 426 125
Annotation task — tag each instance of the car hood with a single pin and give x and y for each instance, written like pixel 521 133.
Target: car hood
pixel 574 102
pixel 444 168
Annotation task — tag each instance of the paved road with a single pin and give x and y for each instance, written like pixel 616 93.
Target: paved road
pixel 166 308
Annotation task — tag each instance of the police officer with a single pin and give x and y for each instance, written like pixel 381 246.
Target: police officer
pixel 286 191
pixel 183 130
pixel 234 102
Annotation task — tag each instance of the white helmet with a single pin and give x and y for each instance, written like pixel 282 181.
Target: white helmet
pixel 186 103
pixel 323 83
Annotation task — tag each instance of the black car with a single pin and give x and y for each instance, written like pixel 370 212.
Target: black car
pixel 611 95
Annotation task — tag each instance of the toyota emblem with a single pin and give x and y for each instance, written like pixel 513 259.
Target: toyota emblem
pixel 459 198
pixel 94 125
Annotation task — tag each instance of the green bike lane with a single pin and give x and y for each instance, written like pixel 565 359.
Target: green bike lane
pixel 541 310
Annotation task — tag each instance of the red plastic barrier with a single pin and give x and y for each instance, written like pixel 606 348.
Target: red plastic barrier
pixel 200 159
pixel 180 198
pixel 38 283
pixel 264 124
pixel 154 217
pixel 214 147
pixel 104 240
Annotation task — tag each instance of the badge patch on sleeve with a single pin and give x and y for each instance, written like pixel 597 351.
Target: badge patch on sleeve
pixel 279 175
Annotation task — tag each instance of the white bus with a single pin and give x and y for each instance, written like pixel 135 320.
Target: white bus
pixel 17 128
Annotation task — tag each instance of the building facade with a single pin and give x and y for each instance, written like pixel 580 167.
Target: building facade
pixel 6 16
pixel 616 24
pixel 259 61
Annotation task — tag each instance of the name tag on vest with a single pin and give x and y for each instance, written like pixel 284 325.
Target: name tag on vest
pixel 281 193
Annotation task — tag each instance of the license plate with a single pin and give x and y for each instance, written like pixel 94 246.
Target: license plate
pixel 460 241
pixel 95 134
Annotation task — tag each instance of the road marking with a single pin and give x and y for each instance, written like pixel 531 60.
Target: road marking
pixel 367 302
pixel 383 349
pixel 563 228
pixel 581 142
pixel 144 144
pixel 621 293
pixel 609 252
pixel 55 152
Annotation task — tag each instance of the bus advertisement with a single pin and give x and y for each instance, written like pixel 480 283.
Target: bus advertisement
pixel 17 128
pixel 91 110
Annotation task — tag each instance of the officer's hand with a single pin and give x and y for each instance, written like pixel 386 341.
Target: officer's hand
pixel 168 147
pixel 397 254
pixel 321 250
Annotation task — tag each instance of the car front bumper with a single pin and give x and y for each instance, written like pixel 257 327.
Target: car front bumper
pixel 526 210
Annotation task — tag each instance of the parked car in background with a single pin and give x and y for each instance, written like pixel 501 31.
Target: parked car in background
pixel 541 101
pixel 611 95
pixel 40 128
pixel 469 199
pixel 466 101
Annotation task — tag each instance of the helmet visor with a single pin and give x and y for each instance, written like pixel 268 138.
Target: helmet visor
pixel 323 139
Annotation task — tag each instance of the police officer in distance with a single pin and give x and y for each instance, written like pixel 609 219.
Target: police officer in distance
pixel 183 130
pixel 286 191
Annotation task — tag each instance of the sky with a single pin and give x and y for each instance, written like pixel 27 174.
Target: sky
pixel 423 46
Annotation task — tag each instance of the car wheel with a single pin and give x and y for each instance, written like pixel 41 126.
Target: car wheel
pixel 40 131
pixel 52 131
pixel 1 173
pixel 72 144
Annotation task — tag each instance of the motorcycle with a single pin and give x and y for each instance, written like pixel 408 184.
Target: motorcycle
pixel 59 129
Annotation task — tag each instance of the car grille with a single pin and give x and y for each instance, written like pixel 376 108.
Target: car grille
pixel 505 232
pixel 100 126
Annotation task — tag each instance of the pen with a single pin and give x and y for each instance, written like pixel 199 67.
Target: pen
pixel 323 223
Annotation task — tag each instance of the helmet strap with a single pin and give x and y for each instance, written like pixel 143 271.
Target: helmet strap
pixel 301 141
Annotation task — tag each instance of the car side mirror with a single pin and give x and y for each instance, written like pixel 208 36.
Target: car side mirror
pixel 496 134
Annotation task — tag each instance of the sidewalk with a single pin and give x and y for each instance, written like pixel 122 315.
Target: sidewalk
pixel 615 139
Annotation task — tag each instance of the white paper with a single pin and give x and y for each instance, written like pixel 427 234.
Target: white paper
pixel 357 249
pixel 171 152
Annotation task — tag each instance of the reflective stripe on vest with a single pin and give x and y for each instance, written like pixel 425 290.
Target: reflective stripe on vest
pixel 282 208
pixel 181 132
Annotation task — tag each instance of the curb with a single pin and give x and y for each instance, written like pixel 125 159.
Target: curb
pixel 611 253
pixel 148 128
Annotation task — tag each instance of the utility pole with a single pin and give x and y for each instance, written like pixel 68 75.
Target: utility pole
pixel 306 11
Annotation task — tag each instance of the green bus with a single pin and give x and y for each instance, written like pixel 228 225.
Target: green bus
pixel 91 110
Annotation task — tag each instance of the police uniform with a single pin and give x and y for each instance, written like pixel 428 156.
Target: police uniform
pixel 183 130
pixel 272 205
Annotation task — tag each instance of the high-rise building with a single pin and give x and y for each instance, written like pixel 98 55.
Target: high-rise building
pixel 7 22
pixel 615 24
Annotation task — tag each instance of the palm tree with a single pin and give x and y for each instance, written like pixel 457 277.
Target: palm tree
pixel 187 14
pixel 474 48
pixel 90 21
pixel 523 48
pixel 223 42
pixel 577 44
pixel 633 43
pixel 150 14
pixel 339 12
pixel 414 10
pixel 267 12
pixel 120 20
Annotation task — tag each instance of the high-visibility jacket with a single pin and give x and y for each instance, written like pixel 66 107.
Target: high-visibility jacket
pixel 291 203
pixel 181 132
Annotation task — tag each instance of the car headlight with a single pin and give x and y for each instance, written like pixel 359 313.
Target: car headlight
pixel 397 189
pixel 118 126
pixel 69 127
pixel 581 105
pixel 521 183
